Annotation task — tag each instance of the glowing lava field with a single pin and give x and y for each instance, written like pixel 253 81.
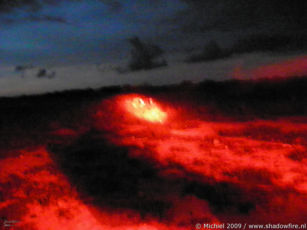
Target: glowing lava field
pixel 151 158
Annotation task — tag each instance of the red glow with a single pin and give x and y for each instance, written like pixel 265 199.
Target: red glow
pixel 254 154
pixel 145 108
pixel 258 155
pixel 199 147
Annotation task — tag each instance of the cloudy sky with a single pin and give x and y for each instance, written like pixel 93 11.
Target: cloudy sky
pixel 78 32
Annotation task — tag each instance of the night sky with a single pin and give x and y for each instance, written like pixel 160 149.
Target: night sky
pixel 90 30
pixel 64 32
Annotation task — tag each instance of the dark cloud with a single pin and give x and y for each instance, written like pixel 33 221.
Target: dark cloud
pixel 47 18
pixel 34 5
pixel 9 5
pixel 113 5
pixel 33 18
pixel 177 26
pixel 6 21
pixel 207 15
pixel 200 16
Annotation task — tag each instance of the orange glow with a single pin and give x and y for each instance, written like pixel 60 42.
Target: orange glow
pixel 145 109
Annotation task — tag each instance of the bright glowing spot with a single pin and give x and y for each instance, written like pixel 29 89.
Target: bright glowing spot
pixel 146 109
